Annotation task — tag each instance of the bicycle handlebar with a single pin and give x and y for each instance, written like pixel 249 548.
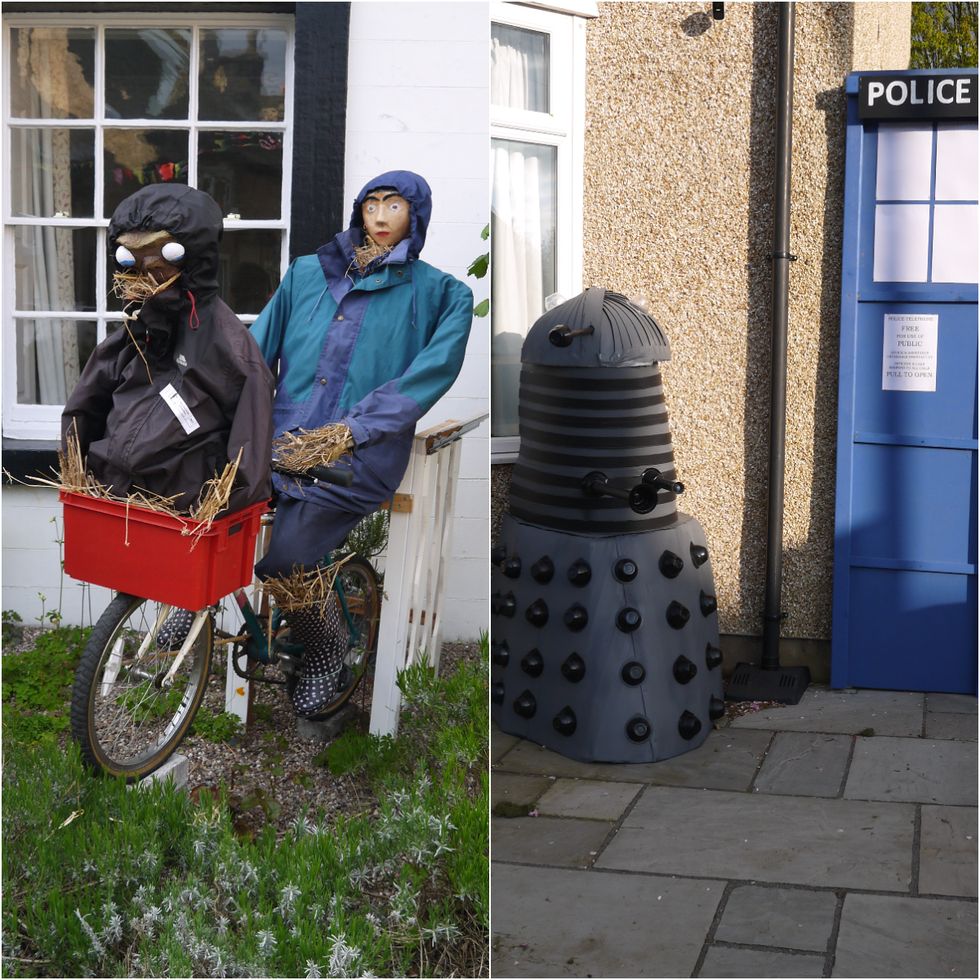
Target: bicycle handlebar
pixel 318 474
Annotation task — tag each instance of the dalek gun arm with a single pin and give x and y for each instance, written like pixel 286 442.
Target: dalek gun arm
pixel 654 478
pixel 642 498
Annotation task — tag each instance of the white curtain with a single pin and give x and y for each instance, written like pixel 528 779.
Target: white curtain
pixel 47 352
pixel 519 69
pixel 522 224
pixel 518 274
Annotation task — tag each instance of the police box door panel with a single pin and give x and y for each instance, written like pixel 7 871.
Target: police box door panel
pixel 905 595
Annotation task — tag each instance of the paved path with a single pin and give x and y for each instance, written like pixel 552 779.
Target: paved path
pixel 833 838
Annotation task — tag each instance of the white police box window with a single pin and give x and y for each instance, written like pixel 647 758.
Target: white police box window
pixel 925 221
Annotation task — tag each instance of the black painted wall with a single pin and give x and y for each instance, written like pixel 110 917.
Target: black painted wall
pixel 319 121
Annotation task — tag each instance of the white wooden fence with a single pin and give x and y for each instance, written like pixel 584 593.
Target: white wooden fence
pixel 419 546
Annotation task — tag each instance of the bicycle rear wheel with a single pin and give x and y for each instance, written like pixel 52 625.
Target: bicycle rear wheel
pixel 130 706
pixel 357 585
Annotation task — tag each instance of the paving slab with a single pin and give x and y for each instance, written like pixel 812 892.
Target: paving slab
pixel 516 789
pixel 948 851
pixel 727 760
pixel 964 703
pixel 778 839
pixel 886 936
pixel 951 724
pixel 501 743
pixel 793 918
pixel 548 840
pixel 804 764
pixel 589 799
pixel 557 923
pixel 843 712
pixel 725 961
pixel 913 770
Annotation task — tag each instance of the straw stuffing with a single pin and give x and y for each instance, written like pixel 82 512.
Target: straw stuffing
pixel 303 588
pixel 73 477
pixel 312 447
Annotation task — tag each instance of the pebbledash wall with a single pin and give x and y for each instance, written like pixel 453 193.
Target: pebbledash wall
pixel 678 174
pixel 417 99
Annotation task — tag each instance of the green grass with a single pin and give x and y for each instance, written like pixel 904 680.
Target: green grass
pixel 103 880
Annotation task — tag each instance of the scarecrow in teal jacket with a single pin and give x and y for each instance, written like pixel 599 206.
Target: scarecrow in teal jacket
pixel 364 333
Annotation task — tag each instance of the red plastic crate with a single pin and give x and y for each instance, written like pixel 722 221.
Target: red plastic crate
pixel 142 552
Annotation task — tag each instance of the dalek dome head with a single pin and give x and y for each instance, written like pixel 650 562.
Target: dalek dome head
pixel 597 328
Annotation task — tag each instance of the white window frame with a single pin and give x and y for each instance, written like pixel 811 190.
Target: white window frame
pixel 42 422
pixel 564 128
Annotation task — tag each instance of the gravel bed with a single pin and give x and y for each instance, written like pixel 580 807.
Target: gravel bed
pixel 272 774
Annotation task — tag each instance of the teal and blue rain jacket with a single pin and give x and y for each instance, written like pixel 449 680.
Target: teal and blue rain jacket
pixel 374 350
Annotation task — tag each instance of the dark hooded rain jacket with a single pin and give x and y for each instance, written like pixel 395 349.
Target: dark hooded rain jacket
pixel 192 343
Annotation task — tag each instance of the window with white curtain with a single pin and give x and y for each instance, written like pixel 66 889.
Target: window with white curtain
pixel 537 95
pixel 96 108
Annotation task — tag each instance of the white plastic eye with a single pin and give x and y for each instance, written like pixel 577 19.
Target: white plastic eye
pixel 124 257
pixel 172 251
pixel 371 207
pixel 394 206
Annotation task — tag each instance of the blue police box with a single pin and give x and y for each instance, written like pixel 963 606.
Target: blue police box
pixel 905 557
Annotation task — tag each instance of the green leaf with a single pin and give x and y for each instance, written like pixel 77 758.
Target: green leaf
pixel 482 308
pixel 479 266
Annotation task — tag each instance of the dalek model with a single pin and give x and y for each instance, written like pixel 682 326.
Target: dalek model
pixel 604 635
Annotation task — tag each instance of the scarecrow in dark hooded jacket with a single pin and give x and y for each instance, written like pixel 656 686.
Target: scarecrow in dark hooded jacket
pixel 170 397
pixel 367 334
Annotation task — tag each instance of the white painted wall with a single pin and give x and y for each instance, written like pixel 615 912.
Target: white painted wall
pixel 418 99
pixel 32 527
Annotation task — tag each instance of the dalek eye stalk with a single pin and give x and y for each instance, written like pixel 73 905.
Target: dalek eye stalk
pixel 604 642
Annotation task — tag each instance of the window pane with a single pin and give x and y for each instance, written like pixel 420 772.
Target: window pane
pixel 52 172
pixel 954 243
pixel 904 162
pixel 243 75
pixel 136 157
pixel 242 172
pixel 54 268
pixel 51 72
pixel 50 357
pixel 146 73
pixel 523 268
pixel 956 162
pixel 901 243
pixel 519 68
pixel 249 273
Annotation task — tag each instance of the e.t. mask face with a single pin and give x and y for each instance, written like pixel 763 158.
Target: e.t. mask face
pixel 147 264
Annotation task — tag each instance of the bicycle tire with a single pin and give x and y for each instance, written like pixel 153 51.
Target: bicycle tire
pixel 362 596
pixel 111 674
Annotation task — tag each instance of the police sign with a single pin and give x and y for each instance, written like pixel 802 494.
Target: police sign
pixel 928 96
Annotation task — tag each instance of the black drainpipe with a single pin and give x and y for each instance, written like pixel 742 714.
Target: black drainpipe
pixel 769 681
pixel 781 259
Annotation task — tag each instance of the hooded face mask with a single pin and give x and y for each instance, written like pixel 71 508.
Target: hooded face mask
pixel 147 263
pixel 415 192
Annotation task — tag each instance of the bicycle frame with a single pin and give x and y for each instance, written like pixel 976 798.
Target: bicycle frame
pixel 258 647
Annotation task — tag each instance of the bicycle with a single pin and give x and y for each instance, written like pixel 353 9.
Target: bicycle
pixel 134 699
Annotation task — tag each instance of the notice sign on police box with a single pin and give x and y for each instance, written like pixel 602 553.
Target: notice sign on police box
pixel 908 358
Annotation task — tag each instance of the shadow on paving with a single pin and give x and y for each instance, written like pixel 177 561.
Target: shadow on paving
pixel 833 838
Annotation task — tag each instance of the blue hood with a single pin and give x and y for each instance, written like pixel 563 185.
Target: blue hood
pixel 417 192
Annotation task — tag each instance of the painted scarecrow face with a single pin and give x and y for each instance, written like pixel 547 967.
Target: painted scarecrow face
pixel 386 216
pixel 146 263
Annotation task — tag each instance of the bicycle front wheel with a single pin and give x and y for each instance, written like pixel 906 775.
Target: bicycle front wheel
pixel 135 696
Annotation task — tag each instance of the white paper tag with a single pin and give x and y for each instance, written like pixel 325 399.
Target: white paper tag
pixel 178 406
